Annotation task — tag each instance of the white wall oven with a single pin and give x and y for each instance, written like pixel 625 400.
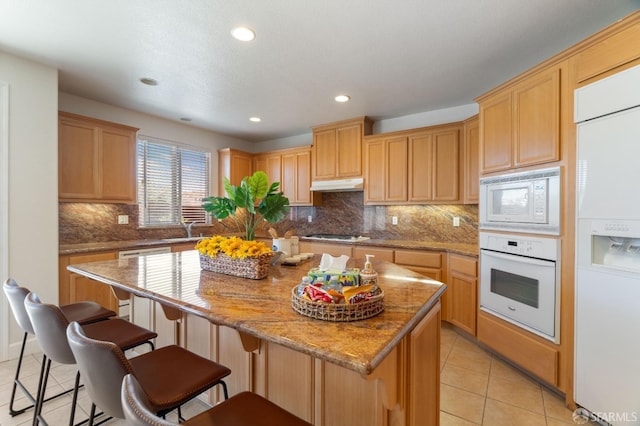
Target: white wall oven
pixel 521 202
pixel 519 281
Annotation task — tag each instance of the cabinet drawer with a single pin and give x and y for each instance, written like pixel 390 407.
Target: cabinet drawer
pixel 463 264
pixel 419 258
pixel 379 253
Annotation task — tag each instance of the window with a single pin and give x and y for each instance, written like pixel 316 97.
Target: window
pixel 172 181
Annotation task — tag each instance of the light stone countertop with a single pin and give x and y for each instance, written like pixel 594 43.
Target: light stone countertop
pixel 262 308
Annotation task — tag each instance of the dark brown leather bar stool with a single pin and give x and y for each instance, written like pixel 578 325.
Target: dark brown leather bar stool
pixel 243 409
pixel 83 312
pixel 170 376
pixel 50 324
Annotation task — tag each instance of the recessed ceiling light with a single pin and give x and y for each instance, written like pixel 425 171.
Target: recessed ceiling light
pixel 342 98
pixel 149 81
pixel 255 119
pixel 243 33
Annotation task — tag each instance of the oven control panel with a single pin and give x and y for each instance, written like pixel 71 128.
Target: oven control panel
pixel 541 248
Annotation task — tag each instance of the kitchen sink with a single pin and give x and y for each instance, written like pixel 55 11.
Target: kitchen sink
pixel 181 239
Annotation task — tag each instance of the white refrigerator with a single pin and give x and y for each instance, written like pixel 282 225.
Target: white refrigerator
pixel 607 323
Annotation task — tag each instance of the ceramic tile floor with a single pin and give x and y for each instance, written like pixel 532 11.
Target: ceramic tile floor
pixel 476 389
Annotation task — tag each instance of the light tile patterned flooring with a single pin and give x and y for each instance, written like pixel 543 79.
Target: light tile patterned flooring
pixel 476 389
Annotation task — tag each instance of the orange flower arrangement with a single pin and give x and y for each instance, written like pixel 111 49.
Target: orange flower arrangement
pixel 233 247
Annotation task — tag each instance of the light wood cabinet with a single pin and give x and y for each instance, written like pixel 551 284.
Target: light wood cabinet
pixel 431 264
pixel 607 53
pixel 77 288
pixel 463 291
pixel 329 248
pixel 296 178
pixel 419 166
pixel 337 149
pixel 271 164
pixel 386 170
pixel 470 171
pixel 423 407
pixel 96 160
pixel 233 165
pixel 380 253
pixel 520 126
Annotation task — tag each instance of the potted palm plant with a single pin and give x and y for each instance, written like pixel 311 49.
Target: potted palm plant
pixel 250 204
pixel 255 197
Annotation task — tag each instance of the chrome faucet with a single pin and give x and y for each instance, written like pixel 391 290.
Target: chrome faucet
pixel 188 226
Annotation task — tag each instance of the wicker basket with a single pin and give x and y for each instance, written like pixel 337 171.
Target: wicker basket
pixel 255 268
pixel 338 312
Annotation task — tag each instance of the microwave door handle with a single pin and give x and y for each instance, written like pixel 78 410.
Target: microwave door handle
pixel 528 260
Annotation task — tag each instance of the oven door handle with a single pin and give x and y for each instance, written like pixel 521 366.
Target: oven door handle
pixel 521 259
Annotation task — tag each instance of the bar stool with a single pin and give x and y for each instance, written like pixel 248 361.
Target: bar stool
pixel 243 409
pixel 83 312
pixel 170 376
pixel 50 324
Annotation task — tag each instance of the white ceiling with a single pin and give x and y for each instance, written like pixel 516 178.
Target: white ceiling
pixel 393 57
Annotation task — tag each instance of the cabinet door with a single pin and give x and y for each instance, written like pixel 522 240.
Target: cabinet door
pixel 233 165
pixel 446 156
pixel 375 171
pixel 463 292
pixel 420 168
pixel 303 194
pixel 82 288
pixel 349 151
pixel 537 119
pixel 471 161
pixel 296 177
pixel 396 169
pixel 424 365
pixel 324 154
pixel 78 159
pixel 496 133
pixel 118 165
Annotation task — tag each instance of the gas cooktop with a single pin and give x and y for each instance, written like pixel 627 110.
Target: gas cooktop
pixel 336 237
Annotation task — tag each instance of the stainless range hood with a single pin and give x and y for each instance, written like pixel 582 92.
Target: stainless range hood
pixel 340 185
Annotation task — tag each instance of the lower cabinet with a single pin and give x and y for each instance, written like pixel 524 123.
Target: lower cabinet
pixel 76 288
pixel 431 264
pixel 463 292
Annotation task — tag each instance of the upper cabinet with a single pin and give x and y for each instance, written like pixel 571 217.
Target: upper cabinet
pixel 234 165
pixel 337 149
pixel 96 160
pixel 290 167
pixel 520 125
pixel 608 53
pixel 418 166
pixel 470 172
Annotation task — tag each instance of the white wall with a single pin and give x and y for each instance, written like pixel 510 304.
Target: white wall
pixel 422 119
pixel 33 180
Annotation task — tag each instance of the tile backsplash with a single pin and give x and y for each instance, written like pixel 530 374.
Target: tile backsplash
pixel 340 213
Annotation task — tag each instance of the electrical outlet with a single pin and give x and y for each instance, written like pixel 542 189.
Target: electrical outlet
pixel 123 219
pixel 394 220
pixel 456 221
pixel 309 219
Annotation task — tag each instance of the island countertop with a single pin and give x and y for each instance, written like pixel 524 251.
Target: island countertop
pixel 262 308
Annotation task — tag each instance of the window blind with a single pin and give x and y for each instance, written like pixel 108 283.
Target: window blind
pixel 172 181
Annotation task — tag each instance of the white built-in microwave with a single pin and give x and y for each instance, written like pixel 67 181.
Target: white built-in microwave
pixel 521 202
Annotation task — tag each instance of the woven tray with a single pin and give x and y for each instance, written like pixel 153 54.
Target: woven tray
pixel 338 312
pixel 255 268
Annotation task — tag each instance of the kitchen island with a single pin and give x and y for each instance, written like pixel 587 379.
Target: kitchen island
pixel 379 371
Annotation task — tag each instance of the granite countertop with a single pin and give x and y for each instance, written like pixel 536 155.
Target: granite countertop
pixel 262 308
pixel 459 248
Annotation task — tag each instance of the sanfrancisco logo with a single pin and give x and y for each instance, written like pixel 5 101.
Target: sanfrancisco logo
pixel 582 416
